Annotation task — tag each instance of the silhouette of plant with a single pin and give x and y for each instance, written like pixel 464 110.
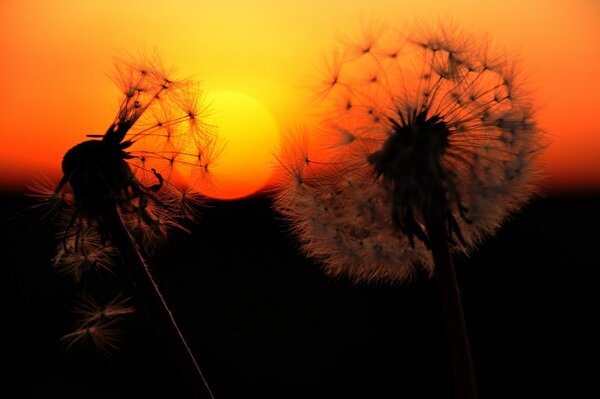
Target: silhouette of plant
pixel 430 141
pixel 120 195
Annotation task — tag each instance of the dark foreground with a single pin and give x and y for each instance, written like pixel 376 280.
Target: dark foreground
pixel 264 322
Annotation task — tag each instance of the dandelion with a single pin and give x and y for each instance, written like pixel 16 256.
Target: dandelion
pixel 158 126
pixel 432 142
pixel 120 196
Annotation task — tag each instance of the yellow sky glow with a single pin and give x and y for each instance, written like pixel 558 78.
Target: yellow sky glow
pixel 248 138
pixel 55 56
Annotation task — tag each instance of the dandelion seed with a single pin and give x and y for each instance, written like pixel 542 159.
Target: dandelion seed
pixel 91 311
pixel 55 206
pixel 102 334
pixel 83 253
pixel 98 325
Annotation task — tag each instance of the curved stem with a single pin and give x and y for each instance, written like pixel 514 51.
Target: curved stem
pixel 144 282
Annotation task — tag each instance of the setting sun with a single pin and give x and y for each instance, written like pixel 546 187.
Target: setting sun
pixel 249 138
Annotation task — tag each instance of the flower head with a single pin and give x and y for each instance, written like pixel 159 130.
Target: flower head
pixel 428 128
pixel 129 178
pixel 157 134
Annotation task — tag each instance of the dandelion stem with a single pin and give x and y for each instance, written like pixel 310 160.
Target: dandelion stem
pixel 465 385
pixel 143 280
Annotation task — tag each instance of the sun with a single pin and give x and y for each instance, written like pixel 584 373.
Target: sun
pixel 249 137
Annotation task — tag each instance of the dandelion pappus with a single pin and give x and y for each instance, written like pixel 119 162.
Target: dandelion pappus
pixel 157 127
pixel 441 127
pixel 120 195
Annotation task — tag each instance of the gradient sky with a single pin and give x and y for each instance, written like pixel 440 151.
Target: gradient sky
pixel 55 55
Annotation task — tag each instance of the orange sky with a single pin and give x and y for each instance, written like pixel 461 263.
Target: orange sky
pixel 54 56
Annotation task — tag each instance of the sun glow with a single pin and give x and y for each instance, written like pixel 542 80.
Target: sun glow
pixel 248 138
pixel 55 56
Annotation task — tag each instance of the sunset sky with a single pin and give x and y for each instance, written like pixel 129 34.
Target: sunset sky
pixel 55 56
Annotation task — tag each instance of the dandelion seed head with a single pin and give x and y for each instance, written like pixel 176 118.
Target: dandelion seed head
pixel 136 168
pixel 443 127
pixel 133 165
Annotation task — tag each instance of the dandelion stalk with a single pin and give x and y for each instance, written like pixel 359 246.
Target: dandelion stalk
pixel 124 242
pixel 465 382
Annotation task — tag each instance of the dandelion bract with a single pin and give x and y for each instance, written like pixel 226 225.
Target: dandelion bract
pixel 417 126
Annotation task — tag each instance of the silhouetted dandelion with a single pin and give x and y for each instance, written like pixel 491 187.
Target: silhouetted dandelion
pixel 432 142
pixel 124 190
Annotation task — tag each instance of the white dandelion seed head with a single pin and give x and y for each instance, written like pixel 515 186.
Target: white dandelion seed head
pixel 442 125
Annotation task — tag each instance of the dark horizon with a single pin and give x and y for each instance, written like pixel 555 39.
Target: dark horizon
pixel 264 322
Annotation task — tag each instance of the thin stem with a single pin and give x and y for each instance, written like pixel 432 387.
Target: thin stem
pixel 144 282
pixel 465 385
